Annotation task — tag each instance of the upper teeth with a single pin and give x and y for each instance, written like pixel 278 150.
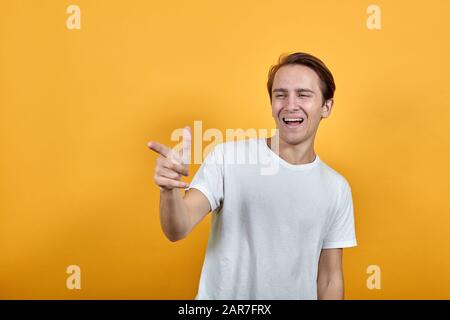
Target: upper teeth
pixel 293 119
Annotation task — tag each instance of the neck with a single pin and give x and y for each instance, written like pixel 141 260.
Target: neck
pixel 300 153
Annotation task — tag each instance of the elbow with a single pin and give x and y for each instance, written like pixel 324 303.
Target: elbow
pixel 176 232
pixel 176 237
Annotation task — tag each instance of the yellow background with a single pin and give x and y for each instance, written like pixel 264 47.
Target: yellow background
pixel 78 107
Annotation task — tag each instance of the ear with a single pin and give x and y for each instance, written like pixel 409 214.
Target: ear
pixel 326 108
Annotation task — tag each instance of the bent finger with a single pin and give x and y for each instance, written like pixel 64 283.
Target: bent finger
pixel 166 182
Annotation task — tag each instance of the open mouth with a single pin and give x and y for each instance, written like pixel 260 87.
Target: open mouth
pixel 293 122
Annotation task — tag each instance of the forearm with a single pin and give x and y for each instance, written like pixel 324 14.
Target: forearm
pixel 330 289
pixel 175 220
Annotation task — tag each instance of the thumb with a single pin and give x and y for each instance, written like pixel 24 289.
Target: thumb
pixel 186 146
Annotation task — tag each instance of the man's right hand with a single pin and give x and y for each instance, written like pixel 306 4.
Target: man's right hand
pixel 170 166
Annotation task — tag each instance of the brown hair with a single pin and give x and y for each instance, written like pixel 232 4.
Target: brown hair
pixel 327 85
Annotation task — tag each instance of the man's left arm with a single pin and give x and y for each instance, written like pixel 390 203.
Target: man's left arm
pixel 330 279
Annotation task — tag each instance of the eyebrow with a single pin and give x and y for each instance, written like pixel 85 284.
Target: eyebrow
pixel 298 90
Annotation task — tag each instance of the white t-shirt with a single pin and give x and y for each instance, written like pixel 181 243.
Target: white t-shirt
pixel 270 220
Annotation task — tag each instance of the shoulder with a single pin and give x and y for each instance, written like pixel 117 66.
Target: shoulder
pixel 232 148
pixel 334 177
pixel 241 143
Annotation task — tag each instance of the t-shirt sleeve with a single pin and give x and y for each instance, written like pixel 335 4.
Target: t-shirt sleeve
pixel 341 233
pixel 209 177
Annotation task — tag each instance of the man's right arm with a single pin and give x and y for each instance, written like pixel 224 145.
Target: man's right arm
pixel 178 215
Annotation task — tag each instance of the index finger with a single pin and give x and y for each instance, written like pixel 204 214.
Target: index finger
pixel 159 148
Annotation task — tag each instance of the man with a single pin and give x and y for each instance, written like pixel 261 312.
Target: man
pixel 273 236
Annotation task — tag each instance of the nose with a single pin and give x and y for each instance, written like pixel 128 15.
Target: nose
pixel 292 103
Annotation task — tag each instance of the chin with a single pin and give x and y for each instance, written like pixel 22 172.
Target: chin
pixel 292 138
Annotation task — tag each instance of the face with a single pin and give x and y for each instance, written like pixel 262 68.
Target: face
pixel 297 103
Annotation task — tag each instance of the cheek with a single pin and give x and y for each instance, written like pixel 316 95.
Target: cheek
pixel 313 109
pixel 275 111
